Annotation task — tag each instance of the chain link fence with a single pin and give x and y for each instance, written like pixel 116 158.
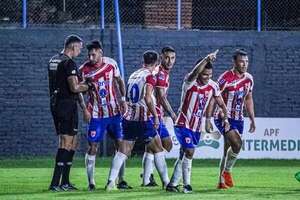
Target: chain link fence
pixel 168 14
pixel 10 12
pixel 63 12
pixel 281 15
pixel 224 14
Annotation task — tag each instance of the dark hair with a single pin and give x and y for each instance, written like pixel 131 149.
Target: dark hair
pixel 167 49
pixel 95 44
pixel 239 52
pixel 207 66
pixel 72 39
pixel 150 57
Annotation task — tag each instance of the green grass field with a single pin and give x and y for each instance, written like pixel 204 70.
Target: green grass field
pixel 255 179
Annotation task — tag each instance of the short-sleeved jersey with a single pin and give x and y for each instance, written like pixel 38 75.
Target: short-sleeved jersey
pixel 162 81
pixel 65 67
pixel 234 89
pixel 135 95
pixel 102 101
pixel 52 69
pixel 195 98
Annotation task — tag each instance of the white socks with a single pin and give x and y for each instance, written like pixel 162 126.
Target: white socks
pixel 161 166
pixel 186 170
pixel 90 167
pixel 117 162
pixel 230 159
pixel 221 165
pixel 177 174
pixel 122 172
pixel 148 159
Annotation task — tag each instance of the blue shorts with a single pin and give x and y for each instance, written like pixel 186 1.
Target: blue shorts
pixel 187 138
pixel 163 131
pixel 234 124
pixel 98 126
pixel 134 130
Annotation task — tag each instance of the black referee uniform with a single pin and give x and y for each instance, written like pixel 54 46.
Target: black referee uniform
pixel 63 105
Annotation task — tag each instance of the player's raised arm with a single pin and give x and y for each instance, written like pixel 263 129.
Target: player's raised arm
pixel 250 110
pixel 200 66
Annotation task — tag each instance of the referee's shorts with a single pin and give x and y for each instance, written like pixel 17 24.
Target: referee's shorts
pixel 65 117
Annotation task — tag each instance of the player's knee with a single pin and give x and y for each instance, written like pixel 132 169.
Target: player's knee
pixel 68 144
pixel 236 147
pixel 93 150
pixel 75 145
pixel 168 147
pixel 189 153
pixel 125 149
pixel 155 148
pixel 167 144
pixel 117 144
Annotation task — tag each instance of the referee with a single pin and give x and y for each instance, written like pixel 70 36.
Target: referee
pixel 65 92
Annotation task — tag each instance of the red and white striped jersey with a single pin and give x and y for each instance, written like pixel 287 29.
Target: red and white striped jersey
pixel 162 81
pixel 135 95
pixel 234 90
pixel 102 101
pixel 195 98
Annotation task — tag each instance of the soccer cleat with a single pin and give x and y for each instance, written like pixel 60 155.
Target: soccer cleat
pixel 54 188
pixel 187 189
pixel 123 186
pixel 171 188
pixel 68 187
pixel 228 179
pixel 152 181
pixel 110 186
pixel 222 186
pixel 149 185
pixel 91 187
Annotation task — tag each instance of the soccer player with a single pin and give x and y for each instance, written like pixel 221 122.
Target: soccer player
pixel 64 89
pixel 197 90
pixel 103 106
pixel 168 57
pixel 236 87
pixel 141 120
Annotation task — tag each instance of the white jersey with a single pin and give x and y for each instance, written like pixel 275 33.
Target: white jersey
pixel 135 95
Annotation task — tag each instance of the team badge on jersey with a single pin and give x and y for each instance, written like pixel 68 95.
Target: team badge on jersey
pixel 161 76
pixel 93 133
pixel 187 140
pixel 221 81
pixel 102 93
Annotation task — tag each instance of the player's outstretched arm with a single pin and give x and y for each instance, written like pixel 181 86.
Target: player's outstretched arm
pixel 150 104
pixel 250 110
pixel 200 66
pixel 161 94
